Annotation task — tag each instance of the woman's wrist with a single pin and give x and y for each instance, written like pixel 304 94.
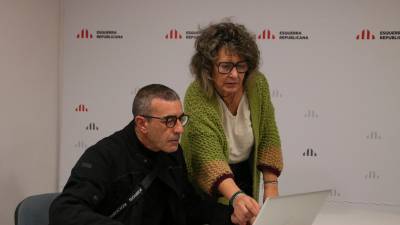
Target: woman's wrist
pixel 234 196
pixel 270 182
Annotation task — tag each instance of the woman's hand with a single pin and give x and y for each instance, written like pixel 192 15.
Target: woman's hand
pixel 245 209
pixel 235 220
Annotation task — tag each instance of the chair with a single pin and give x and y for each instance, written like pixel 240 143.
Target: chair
pixel 34 210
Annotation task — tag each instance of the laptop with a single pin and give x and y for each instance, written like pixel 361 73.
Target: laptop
pixel 296 209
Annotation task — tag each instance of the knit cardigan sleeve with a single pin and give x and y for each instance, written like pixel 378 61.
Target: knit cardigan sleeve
pixel 204 142
pixel 268 144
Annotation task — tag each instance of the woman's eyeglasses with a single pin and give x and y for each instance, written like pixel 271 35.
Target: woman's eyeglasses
pixel 227 67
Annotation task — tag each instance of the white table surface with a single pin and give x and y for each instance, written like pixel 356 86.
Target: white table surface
pixel 341 213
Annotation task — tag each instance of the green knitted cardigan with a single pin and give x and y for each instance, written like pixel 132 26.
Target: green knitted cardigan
pixel 205 144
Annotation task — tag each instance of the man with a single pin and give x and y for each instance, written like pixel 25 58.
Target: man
pixel 107 176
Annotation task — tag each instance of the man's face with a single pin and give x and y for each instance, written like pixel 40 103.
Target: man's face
pixel 159 136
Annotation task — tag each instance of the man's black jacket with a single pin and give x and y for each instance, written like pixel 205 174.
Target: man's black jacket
pixel 106 174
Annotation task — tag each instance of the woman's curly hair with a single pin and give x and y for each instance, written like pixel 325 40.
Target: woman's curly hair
pixel 235 38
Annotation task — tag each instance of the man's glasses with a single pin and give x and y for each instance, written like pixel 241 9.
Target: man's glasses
pixel 170 121
pixel 226 67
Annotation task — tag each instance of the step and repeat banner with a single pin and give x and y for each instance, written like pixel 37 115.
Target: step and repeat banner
pixel 333 68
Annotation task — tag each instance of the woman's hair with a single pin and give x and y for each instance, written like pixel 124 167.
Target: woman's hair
pixel 235 38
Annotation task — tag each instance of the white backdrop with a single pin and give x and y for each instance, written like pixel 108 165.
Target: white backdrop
pixel 333 68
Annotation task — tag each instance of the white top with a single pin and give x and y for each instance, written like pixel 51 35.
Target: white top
pixel 238 130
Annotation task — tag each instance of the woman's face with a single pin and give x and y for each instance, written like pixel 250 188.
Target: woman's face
pixel 228 73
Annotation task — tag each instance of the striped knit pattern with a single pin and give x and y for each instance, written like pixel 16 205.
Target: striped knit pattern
pixel 205 145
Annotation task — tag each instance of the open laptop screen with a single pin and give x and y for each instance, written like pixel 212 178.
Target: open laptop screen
pixel 296 209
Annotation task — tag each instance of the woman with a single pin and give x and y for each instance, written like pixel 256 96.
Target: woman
pixel 232 136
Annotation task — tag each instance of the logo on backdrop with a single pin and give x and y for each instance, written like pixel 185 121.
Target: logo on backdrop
pixel 84 34
pixel 389 35
pixel 266 34
pixel 108 34
pixel 275 93
pixel 81 144
pixel 374 135
pixel 92 127
pixel 366 34
pixel 371 175
pixel 310 153
pixel 335 193
pixel 292 35
pixel 192 34
pixel 173 34
pixel 81 108
pixel 311 114
pixel 100 34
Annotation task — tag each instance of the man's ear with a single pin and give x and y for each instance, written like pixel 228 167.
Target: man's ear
pixel 141 124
